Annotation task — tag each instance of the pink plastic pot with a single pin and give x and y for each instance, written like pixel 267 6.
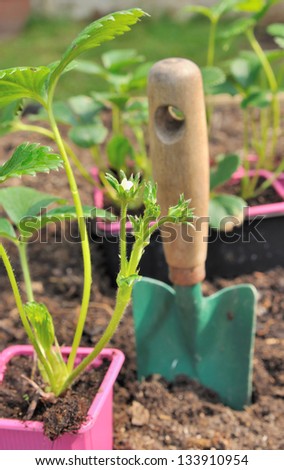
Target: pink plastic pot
pixel 95 433
pixel 264 210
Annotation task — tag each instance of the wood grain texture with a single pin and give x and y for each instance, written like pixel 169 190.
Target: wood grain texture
pixel 179 154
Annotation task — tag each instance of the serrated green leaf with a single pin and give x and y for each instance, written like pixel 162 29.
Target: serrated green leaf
pixel 95 34
pixel 88 135
pixel 212 76
pixel 118 149
pixel 226 211
pixel 114 183
pixel 29 159
pixel 7 230
pixel 23 82
pixel 222 172
pixel 42 323
pixel 19 202
pixel 181 212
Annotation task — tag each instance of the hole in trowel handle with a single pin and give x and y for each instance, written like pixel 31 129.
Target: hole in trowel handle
pixel 170 123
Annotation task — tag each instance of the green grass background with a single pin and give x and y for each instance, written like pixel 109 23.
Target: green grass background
pixel 43 41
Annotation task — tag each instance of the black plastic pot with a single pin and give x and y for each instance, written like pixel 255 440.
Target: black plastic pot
pixel 257 245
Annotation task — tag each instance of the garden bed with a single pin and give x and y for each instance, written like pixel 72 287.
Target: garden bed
pixel 153 414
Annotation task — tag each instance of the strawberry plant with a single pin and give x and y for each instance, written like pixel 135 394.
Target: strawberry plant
pixel 23 206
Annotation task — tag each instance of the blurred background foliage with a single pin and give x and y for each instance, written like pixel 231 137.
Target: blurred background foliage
pixel 43 40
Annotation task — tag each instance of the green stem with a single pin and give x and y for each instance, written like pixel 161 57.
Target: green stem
pixel 269 181
pixel 22 247
pixel 246 136
pixel 122 300
pixel 20 126
pixel 263 59
pixel 123 245
pixel 264 129
pixel 116 120
pixel 84 240
pixel 25 322
pixel 250 184
pixel 145 163
pixel 78 164
pixel 210 62
pixel 273 85
pixel 136 255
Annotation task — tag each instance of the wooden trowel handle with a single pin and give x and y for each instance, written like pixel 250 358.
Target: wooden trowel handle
pixel 179 153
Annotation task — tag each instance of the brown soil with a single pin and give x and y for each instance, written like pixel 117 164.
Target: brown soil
pixel 268 196
pixel 154 414
pixel 20 400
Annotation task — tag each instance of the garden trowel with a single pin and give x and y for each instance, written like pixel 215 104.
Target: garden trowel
pixel 178 330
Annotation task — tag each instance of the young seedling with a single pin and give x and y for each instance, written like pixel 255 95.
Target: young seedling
pixel 22 206
pixel 214 14
pixel 252 76
pixel 27 213
pixel 39 83
pixel 212 75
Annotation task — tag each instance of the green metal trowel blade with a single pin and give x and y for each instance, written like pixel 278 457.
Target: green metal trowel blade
pixel 210 339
